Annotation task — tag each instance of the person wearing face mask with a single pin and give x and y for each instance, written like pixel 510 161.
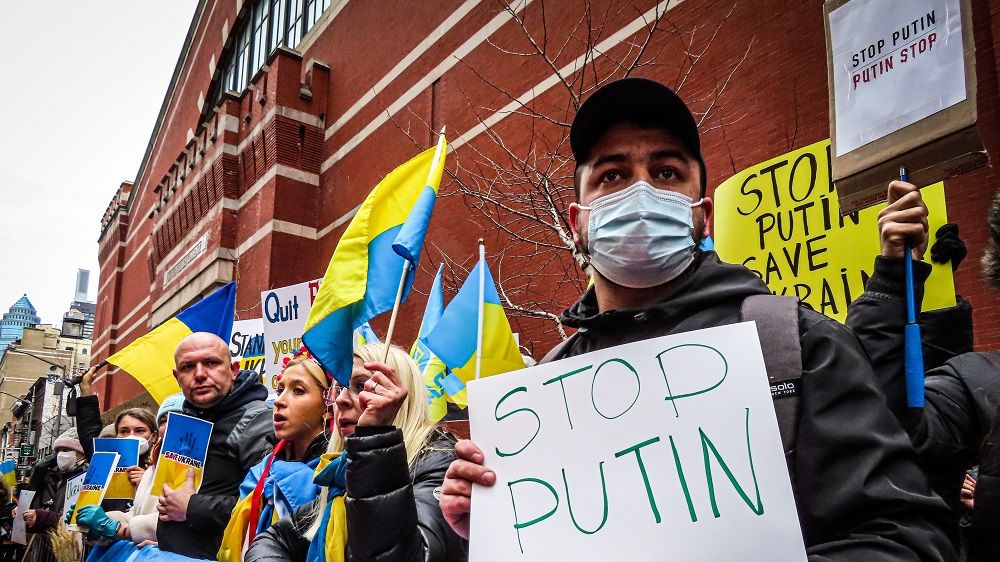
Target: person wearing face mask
pixel 640 214
pixel 48 480
pixel 136 423
pixel 138 523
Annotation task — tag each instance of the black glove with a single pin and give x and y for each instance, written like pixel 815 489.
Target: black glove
pixel 948 247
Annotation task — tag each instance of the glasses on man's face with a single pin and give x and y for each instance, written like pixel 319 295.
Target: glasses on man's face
pixel 354 388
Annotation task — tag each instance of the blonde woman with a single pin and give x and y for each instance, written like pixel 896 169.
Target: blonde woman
pixel 385 482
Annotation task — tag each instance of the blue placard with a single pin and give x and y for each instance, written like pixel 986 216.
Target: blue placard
pixel 127 448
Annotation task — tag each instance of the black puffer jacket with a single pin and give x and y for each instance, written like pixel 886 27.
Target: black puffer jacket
pixel 392 510
pixel 859 492
pixel 239 441
pixel 961 396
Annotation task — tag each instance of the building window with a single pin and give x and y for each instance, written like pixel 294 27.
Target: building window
pixel 266 25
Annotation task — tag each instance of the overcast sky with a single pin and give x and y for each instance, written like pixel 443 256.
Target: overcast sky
pixel 81 84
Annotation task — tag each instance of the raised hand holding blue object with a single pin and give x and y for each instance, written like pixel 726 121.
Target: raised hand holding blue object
pixel 102 527
pixel 913 352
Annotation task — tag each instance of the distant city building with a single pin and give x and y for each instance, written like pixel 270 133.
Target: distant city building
pixel 78 322
pixel 82 285
pixel 20 316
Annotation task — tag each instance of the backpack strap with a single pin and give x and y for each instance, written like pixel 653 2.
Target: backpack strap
pixel 777 320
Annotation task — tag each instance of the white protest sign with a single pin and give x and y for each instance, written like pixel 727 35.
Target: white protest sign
pixel 247 346
pixel 665 449
pixel 19 531
pixel 73 487
pixel 894 63
pixel 285 311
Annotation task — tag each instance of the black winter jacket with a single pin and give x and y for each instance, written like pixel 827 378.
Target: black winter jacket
pixel 859 492
pixel 239 441
pixel 961 396
pixel 392 510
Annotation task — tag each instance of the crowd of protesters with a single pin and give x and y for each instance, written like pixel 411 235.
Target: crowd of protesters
pixel 358 472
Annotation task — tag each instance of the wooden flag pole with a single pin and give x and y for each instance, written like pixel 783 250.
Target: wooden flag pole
pixel 406 263
pixel 482 291
pixel 395 309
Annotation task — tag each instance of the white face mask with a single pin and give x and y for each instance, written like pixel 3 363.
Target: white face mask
pixel 66 459
pixel 143 443
pixel 641 237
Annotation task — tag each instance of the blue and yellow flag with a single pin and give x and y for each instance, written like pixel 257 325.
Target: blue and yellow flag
pixel 442 385
pixel 150 359
pixel 453 338
pixel 8 474
pixel 363 276
pixel 364 335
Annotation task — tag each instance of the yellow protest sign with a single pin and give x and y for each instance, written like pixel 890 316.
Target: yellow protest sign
pixel 781 219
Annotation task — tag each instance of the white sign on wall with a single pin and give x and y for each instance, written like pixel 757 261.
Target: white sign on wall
pixel 665 449
pixel 894 63
pixel 284 312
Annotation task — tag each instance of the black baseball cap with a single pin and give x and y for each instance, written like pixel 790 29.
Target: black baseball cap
pixel 634 100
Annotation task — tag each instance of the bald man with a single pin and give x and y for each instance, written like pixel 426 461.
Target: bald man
pixel 214 390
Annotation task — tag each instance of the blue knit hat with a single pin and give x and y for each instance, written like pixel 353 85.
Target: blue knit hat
pixel 172 403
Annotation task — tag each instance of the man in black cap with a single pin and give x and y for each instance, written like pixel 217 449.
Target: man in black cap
pixel 641 211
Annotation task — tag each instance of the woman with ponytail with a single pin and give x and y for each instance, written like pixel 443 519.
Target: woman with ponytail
pixel 381 475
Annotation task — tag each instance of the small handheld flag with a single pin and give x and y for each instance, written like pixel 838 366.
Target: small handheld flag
pixel 355 287
pixel 473 337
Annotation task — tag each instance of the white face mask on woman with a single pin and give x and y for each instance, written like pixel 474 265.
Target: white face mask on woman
pixel 66 459
pixel 641 237
pixel 143 443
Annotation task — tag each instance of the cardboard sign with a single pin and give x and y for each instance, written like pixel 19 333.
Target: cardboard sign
pixel 95 482
pixel 665 449
pixel 19 529
pixel 284 315
pixel 185 447
pixel 120 488
pixel 780 219
pixel 902 93
pixel 247 346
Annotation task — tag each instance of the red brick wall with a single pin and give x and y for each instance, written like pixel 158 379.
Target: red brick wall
pixel 760 74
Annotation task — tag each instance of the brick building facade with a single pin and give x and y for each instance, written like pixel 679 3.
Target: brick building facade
pixel 282 114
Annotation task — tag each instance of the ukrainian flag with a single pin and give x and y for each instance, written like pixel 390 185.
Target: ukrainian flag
pixel 441 384
pixel 365 335
pixel 363 276
pixel 453 338
pixel 150 359
pixel 8 474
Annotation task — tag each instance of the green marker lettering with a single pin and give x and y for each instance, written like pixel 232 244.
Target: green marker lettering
pixel 563 388
pixel 496 414
pixel 517 524
pixel 706 445
pixel 569 502
pixel 683 481
pixel 670 395
pixel 593 384
pixel 642 471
